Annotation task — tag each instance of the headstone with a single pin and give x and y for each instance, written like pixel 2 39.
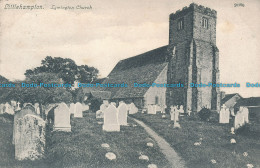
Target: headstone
pixel 37 108
pixel 26 104
pixel 132 108
pixel 78 112
pixel 103 107
pixel 72 108
pixel 181 110
pixel 241 118
pixel 2 106
pixel 224 115
pixel 189 111
pixel 151 109
pixel 122 114
pixel 20 114
pixel 111 119
pixel 8 109
pixel 29 136
pixel 85 107
pixel 62 118
pixel 99 114
pixel 18 107
pixel 173 112
pixel 13 103
pixel 175 116
pixel 245 113
pixel 163 108
pixel 113 103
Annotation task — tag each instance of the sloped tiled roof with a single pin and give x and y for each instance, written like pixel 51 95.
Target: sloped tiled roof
pixel 228 96
pixel 251 101
pixel 104 95
pixel 143 68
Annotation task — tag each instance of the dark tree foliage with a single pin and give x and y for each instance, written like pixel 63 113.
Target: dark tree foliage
pixel 95 104
pixel 66 69
pixel 204 114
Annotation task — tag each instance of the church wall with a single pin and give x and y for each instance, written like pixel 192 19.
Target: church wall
pixel 160 92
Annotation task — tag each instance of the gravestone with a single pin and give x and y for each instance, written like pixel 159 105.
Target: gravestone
pixel 111 119
pixel 8 109
pixel 62 118
pixel 85 107
pixel 2 106
pixel 241 117
pixel 151 109
pixel 78 112
pixel 100 114
pixel 114 103
pixel 103 107
pixel 20 114
pixel 173 112
pixel 27 104
pixel 163 108
pixel 132 108
pixel 18 107
pixel 72 108
pixel 122 114
pixel 224 115
pixel 37 108
pixel 181 110
pixel 29 136
pixel 245 113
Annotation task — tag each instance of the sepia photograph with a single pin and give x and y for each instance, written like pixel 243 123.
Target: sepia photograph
pixel 129 84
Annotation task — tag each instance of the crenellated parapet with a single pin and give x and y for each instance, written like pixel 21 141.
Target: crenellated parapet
pixel 196 8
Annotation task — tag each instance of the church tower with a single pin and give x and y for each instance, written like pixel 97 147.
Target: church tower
pixel 193 58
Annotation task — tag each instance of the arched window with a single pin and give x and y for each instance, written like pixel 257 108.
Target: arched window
pixel 205 23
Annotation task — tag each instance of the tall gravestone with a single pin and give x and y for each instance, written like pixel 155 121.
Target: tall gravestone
pixel 62 118
pixel 111 119
pixel 122 114
pixel 78 112
pixel 23 112
pixel 29 136
pixel 224 115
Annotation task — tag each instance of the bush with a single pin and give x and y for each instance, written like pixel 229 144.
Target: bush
pixel 204 114
pixel 95 104
pixel 244 130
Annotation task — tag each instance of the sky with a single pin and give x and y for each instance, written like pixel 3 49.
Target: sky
pixel 117 29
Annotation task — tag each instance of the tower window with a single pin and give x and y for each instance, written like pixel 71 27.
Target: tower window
pixel 205 23
pixel 180 24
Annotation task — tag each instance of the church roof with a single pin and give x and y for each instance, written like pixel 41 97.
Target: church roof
pixel 143 68
pixel 228 97
pixel 249 102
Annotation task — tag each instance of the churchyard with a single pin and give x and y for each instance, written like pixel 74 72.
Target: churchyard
pixel 75 136
pixel 86 146
pixel 207 144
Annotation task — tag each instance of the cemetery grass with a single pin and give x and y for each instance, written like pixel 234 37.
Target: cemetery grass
pixel 82 147
pixel 215 143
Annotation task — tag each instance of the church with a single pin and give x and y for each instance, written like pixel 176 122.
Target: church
pixel 190 57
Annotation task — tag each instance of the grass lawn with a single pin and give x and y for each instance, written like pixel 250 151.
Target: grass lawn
pixel 215 143
pixel 82 147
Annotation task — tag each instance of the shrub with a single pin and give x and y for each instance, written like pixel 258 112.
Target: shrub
pixel 243 130
pixel 95 104
pixel 204 114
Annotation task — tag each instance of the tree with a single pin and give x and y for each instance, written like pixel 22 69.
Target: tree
pixel 66 69
pixel 41 95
